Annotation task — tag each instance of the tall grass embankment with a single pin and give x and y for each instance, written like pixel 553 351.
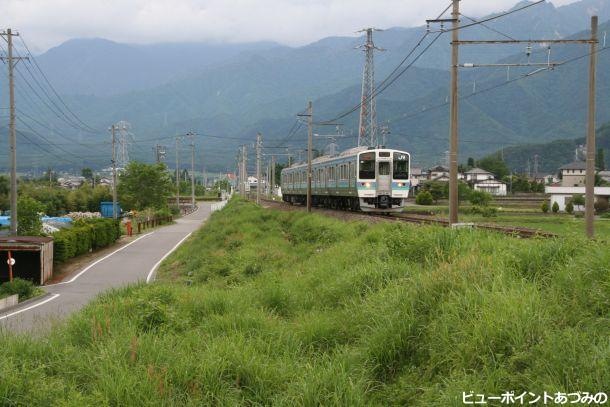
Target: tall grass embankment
pixel 266 307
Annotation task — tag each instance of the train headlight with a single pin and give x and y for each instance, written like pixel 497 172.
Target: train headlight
pixel 367 184
pixel 401 184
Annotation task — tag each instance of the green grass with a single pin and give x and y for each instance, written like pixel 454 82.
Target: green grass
pixel 265 307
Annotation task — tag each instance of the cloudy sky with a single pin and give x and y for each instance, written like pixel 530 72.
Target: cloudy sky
pixel 45 23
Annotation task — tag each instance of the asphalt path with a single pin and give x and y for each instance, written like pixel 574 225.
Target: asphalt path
pixel 131 263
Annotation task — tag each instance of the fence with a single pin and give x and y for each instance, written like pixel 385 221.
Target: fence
pixel 151 223
pixel 218 206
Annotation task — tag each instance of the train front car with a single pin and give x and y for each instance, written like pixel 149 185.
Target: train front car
pixel 383 180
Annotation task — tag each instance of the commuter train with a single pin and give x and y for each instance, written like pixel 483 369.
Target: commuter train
pixel 364 179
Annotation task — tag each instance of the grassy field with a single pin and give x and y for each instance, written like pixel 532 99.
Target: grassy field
pixel 265 307
pixel 563 224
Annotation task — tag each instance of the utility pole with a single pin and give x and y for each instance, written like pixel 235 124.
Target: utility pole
pixel 258 167
pixel 178 171
pixel 590 174
pixel 453 145
pixel 244 167
pixel 272 175
pixel 309 116
pixel 12 62
pixel 114 181
pixel 192 136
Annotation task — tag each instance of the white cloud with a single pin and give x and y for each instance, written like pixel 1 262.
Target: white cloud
pixel 45 23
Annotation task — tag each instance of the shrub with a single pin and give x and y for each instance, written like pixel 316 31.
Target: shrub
pixel 578 200
pixel 570 207
pixel 424 198
pixel 480 198
pixel 601 206
pixel 24 288
pixel 85 235
pixel 545 207
pixel 555 207
pixel 485 211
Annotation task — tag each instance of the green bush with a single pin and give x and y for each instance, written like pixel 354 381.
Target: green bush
pixel 480 198
pixel 85 235
pixel 601 206
pixel 578 200
pixel 570 207
pixel 24 288
pixel 545 207
pixel 485 211
pixel 555 207
pixel 424 198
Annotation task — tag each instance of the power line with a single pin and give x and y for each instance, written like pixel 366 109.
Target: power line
pixel 51 86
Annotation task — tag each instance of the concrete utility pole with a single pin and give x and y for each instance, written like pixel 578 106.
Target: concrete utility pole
pixel 309 116
pixel 590 174
pixel 272 175
pixel 178 171
pixel 192 136
pixel 244 167
pixel 114 181
pixel 12 62
pixel 453 148
pixel 258 167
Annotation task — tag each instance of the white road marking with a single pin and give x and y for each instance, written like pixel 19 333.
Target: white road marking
pixel 154 268
pixel 54 296
pixel 83 271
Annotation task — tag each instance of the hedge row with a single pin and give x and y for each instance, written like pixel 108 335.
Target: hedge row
pixel 84 236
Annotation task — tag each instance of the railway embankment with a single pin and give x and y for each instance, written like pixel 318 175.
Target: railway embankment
pixel 279 307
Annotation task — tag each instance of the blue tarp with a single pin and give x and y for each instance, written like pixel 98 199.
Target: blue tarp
pixel 6 220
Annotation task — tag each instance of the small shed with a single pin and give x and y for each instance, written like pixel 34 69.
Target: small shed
pixel 33 256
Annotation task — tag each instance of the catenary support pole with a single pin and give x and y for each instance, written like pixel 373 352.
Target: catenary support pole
pixel 309 151
pixel 114 178
pixel 258 168
pixel 453 149
pixel 590 173
pixel 178 172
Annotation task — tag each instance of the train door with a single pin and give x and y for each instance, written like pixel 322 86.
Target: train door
pixel 384 177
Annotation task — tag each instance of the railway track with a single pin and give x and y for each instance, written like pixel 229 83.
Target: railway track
pixel 418 219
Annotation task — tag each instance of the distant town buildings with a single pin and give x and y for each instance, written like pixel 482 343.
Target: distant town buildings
pixel 573 183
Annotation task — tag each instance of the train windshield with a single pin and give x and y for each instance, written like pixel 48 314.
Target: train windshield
pixel 401 166
pixel 367 166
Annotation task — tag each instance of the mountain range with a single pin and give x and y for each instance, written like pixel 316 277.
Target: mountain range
pixel 229 92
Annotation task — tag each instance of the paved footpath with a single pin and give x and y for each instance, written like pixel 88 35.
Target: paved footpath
pixel 136 261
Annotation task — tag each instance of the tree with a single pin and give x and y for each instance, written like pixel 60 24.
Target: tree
pixel 471 163
pixel 545 207
pixel 145 186
pixel 555 207
pixel 424 198
pixel 28 218
pixel 480 198
pixel 600 160
pixel 87 173
pixel 494 164
pixel 578 200
pixel 437 189
pixel 570 207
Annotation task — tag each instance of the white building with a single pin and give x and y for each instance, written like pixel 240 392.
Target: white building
pixel 438 171
pixel 562 195
pixel 478 174
pixel 491 186
pixel 573 174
